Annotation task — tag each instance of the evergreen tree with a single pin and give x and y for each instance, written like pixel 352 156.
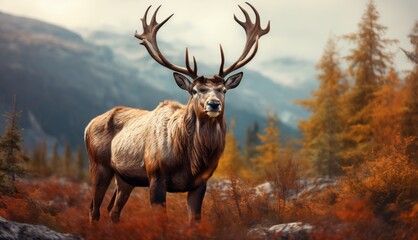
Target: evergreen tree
pixel 386 111
pixel 410 113
pixel 11 154
pixel 269 149
pixel 81 161
pixel 55 160
pixel 251 141
pixel 66 160
pixel 39 164
pixel 230 162
pixel 249 151
pixel 322 131
pixel 368 63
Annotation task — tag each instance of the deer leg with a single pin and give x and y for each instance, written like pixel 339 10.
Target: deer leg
pixel 101 180
pixel 112 201
pixel 194 203
pixel 158 191
pixel 122 193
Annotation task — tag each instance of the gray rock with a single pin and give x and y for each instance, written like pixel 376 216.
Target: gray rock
pixel 295 230
pixel 21 231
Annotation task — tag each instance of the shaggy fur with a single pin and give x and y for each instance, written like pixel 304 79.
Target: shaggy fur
pixel 174 148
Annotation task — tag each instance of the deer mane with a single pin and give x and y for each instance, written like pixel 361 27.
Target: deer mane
pixel 200 141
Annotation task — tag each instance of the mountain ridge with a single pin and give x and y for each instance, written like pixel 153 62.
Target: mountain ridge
pixel 63 80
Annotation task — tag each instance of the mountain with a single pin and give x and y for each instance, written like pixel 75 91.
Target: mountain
pixel 62 81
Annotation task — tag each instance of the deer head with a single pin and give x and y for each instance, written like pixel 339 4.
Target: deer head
pixel 207 93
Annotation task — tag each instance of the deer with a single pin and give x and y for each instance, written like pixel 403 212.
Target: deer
pixel 175 147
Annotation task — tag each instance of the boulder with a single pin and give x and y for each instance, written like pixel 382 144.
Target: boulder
pixel 19 231
pixel 295 230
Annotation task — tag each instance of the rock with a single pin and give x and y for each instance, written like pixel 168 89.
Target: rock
pixel 264 189
pixel 295 230
pixel 258 232
pixel 20 231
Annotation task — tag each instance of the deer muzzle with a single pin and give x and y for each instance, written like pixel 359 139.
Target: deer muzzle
pixel 213 108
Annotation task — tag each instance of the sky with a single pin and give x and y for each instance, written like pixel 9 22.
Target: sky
pixel 299 28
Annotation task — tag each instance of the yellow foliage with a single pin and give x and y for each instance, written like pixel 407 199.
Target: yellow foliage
pixel 321 132
pixel 269 150
pixel 230 162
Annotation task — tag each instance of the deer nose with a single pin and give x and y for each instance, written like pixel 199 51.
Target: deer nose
pixel 214 104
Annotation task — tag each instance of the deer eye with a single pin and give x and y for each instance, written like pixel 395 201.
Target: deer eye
pixel 224 91
pixel 194 92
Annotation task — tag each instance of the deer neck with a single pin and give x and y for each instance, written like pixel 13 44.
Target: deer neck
pixel 204 138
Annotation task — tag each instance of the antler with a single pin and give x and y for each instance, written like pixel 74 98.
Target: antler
pixel 253 32
pixel 149 40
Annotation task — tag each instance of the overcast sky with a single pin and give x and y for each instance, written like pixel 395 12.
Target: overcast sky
pixel 299 28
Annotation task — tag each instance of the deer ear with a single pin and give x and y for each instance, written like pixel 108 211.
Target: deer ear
pixel 233 81
pixel 182 81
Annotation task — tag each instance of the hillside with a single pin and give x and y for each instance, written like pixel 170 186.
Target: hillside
pixel 62 81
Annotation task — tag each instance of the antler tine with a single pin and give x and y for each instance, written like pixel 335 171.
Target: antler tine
pixel 149 40
pixel 221 68
pixel 247 19
pixel 144 19
pixel 257 16
pixel 154 17
pixel 253 31
pixel 194 71
pixel 194 66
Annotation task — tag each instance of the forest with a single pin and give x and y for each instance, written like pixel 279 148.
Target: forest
pixel 353 174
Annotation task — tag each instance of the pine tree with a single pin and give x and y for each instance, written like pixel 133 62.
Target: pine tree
pixel 322 131
pixel 67 159
pixel 38 160
pixel 55 161
pixel 368 63
pixel 249 151
pixel 11 154
pixel 269 149
pixel 81 160
pixel 251 141
pixel 386 111
pixel 410 113
pixel 230 162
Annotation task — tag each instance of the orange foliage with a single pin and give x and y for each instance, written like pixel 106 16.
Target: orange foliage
pixel 228 213
pixel 388 183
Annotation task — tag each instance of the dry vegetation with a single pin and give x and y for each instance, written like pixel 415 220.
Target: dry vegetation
pixel 377 202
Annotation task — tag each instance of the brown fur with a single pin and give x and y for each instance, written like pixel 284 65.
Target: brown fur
pixel 176 144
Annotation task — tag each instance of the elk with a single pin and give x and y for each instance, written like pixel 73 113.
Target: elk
pixel 173 148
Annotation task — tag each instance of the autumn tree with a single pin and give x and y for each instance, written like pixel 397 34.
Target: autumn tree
pixel 230 162
pixel 322 131
pixel 386 111
pixel 11 154
pixel 269 149
pixel 410 113
pixel 368 63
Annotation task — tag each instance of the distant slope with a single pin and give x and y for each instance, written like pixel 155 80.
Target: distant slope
pixel 62 81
